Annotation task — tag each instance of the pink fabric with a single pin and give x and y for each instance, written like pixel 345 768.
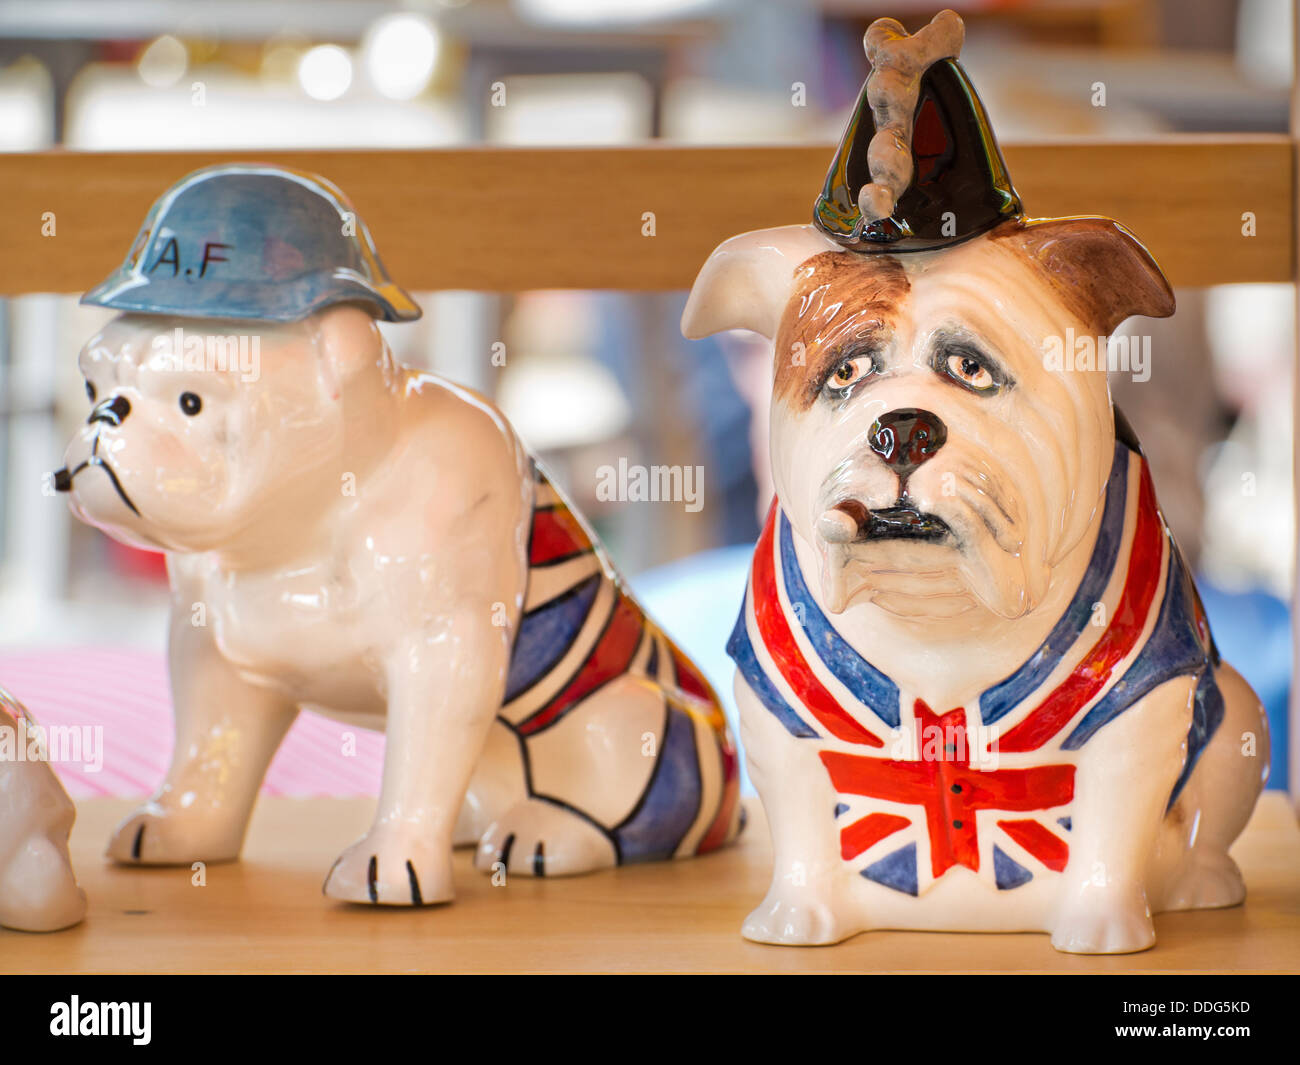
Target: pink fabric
pixel 125 692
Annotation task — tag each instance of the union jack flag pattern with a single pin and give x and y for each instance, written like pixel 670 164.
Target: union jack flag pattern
pixel 990 785
pixel 580 630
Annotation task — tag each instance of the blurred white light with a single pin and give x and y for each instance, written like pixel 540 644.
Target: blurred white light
pixel 1264 35
pixel 26 106
pixel 325 72
pixel 109 108
pixel 589 12
pixel 163 63
pixel 400 54
pixel 563 402
pixel 572 109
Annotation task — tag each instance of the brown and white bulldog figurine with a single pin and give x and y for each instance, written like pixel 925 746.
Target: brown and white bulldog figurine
pixel 38 889
pixel 976 685
pixel 352 536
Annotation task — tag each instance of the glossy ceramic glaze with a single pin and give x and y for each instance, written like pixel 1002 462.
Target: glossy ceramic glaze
pixel 38 889
pixel 977 688
pixel 252 241
pixel 351 536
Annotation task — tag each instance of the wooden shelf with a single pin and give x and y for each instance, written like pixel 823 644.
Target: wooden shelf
pixel 266 914
pixel 510 219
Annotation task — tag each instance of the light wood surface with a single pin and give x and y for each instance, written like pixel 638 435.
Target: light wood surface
pixel 510 219
pixel 266 914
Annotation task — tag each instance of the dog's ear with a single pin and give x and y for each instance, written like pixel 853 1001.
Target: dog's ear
pixel 745 283
pixel 1100 268
pixel 347 341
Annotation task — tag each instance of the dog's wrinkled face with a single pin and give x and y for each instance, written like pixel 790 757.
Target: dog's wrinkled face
pixel 921 441
pixel 917 439
pixel 197 426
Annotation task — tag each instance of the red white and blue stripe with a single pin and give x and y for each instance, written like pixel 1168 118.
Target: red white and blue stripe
pixel 579 631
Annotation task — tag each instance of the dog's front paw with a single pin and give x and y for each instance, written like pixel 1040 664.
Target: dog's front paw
pixel 160 834
pixel 391 867
pixel 798 919
pixel 1105 921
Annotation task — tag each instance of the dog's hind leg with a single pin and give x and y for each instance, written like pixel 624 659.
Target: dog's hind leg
pixel 1192 863
pixel 635 772
pixel 585 773
pixel 540 837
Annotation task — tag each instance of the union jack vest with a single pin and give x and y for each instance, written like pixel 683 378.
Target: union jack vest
pixel 921 792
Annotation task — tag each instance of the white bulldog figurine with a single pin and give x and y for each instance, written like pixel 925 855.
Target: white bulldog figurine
pixel 371 542
pixel 38 889
pixel 977 689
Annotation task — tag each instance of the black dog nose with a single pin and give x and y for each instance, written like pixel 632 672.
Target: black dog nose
pixel 906 438
pixel 113 410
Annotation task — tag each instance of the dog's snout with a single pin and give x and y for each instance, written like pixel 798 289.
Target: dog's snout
pixel 907 437
pixel 112 410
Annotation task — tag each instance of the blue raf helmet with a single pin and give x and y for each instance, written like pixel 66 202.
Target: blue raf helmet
pixel 247 240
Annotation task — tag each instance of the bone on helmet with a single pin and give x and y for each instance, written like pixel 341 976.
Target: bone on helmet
pixel 919 170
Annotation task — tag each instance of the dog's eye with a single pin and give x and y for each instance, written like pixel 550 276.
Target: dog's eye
pixel 971 372
pixel 90 392
pixel 190 404
pixel 850 372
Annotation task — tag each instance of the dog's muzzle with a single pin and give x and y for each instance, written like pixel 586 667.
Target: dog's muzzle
pixel 850 522
pixel 905 439
pixel 112 412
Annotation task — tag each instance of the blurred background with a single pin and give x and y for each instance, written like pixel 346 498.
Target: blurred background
pixel 592 377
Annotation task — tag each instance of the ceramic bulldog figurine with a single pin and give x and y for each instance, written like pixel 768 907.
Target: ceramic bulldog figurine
pixel 374 543
pixel 38 889
pixel 977 689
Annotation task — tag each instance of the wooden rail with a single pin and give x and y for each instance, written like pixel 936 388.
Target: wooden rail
pixel 510 219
